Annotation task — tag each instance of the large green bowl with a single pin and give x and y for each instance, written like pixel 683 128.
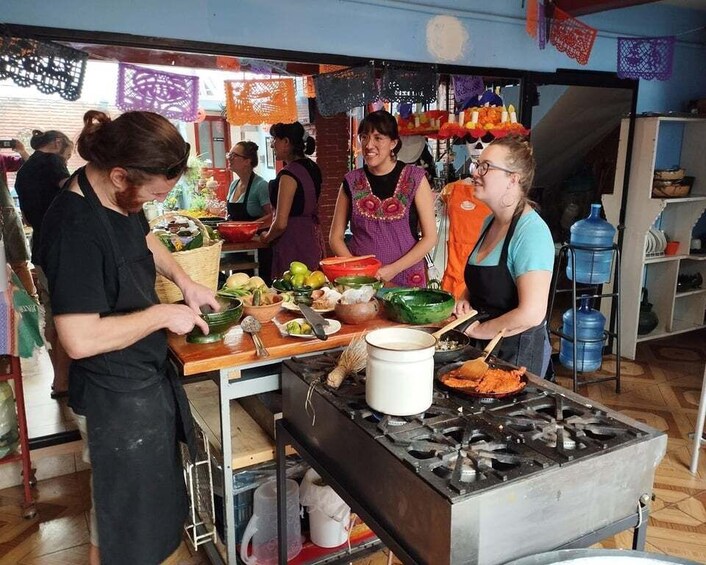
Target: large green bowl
pixel 218 322
pixel 418 305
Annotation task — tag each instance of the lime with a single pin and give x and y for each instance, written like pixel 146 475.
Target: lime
pixel 298 268
pixel 298 280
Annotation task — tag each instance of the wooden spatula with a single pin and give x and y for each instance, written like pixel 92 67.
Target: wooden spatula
pixel 457 322
pixel 476 368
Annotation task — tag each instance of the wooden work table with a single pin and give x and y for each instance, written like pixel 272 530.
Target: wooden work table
pixel 234 371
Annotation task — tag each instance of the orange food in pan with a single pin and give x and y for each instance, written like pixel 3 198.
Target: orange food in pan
pixel 493 381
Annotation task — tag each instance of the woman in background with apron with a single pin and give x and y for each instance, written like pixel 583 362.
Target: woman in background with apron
pixel 248 196
pixel 509 271
pixel 101 261
pixel 295 233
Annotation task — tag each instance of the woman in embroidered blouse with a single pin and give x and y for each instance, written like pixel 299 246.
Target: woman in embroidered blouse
pixel 386 202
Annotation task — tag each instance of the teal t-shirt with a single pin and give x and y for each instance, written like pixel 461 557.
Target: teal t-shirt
pixel 258 198
pixel 531 247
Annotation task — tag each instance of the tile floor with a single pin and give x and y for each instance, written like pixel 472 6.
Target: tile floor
pixel 660 388
pixel 45 416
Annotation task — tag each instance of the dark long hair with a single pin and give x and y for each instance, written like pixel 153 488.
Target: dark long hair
pixel 302 143
pixel 43 138
pixel 139 139
pixel 384 123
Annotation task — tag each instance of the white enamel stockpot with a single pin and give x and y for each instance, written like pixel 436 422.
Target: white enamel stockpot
pixel 399 376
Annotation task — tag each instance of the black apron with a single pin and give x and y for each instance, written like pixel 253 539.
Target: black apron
pixel 238 211
pixel 134 427
pixel 492 290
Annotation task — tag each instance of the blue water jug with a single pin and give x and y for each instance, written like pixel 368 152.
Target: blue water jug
pixel 590 325
pixel 592 267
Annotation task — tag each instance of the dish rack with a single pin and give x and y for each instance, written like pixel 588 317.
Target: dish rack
pixel 200 524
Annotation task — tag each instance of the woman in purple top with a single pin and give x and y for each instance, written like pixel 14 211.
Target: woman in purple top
pixel 295 233
pixel 387 203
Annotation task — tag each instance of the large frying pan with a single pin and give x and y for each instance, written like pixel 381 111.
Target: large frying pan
pixel 472 392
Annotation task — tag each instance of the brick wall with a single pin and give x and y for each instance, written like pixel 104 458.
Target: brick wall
pixel 332 149
pixel 21 115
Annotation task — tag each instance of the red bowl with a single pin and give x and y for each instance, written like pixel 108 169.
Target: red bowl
pixel 237 232
pixel 368 267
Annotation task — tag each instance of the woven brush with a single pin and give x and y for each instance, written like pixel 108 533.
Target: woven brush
pixel 351 361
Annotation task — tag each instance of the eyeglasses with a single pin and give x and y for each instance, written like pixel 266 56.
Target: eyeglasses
pixel 482 168
pixel 170 172
pixel 232 154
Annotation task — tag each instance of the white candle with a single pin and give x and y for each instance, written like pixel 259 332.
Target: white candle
pixel 474 116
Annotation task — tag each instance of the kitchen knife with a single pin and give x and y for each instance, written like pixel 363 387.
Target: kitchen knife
pixel 317 321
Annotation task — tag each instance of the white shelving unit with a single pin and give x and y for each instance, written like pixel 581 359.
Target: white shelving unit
pixel 659 143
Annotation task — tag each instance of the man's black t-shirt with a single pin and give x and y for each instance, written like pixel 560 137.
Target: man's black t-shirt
pixel 37 184
pixel 383 186
pixel 81 269
pixel 298 202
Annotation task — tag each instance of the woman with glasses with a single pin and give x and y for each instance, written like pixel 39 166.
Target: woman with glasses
pixel 386 203
pixel 37 183
pixel 509 270
pixel 248 196
pixel 101 260
pixel 295 232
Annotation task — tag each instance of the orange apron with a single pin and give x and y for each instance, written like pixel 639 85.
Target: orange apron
pixel 466 215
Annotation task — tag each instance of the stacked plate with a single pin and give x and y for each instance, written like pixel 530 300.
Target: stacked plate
pixel 655 242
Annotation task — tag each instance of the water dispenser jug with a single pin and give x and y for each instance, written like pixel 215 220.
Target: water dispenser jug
pixel 590 326
pixel 592 267
pixel 262 527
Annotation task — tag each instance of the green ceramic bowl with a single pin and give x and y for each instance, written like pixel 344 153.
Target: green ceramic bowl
pixel 418 305
pixel 357 281
pixel 218 322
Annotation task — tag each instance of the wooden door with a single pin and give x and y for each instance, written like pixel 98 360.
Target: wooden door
pixel 212 143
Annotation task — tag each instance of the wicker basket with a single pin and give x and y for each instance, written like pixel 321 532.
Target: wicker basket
pixel 200 264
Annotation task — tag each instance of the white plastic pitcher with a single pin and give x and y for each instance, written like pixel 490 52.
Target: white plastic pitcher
pixel 262 527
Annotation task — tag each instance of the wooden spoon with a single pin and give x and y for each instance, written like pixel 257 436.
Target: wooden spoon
pixel 476 368
pixel 457 322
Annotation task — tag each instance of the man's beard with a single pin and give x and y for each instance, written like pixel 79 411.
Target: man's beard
pixel 128 199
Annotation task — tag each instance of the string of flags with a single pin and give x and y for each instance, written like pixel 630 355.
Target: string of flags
pixel 56 68
pixel 645 58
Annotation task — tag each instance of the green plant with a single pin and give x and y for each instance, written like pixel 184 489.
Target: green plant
pixel 186 193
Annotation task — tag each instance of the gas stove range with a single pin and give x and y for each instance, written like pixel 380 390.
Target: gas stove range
pixel 542 468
